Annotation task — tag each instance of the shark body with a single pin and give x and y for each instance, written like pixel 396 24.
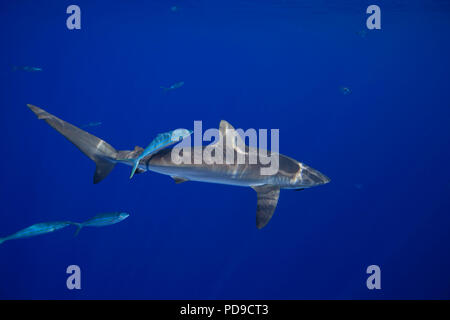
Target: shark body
pixel 290 175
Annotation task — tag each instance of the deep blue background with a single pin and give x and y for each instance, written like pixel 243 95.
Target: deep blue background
pixel 257 64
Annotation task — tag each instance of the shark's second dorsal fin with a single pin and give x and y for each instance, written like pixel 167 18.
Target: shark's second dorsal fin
pixel 267 202
pixel 138 150
pixel 227 130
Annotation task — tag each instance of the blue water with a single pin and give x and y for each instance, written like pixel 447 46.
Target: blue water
pixel 257 64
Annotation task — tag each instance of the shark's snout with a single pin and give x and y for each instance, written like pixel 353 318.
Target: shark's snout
pixel 312 177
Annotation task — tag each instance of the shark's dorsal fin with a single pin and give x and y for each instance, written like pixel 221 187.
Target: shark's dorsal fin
pixel 224 126
pixel 179 180
pixel 226 130
pixel 267 202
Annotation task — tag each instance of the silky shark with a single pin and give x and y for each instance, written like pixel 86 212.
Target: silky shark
pixel 291 174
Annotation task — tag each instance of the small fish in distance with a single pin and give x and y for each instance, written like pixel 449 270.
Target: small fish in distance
pixel 345 91
pixel 174 86
pixel 27 68
pixel 37 229
pixel 101 220
pixel 92 124
pixel 362 33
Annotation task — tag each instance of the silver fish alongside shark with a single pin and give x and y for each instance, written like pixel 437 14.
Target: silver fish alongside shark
pixel 290 175
pixel 36 230
pixel 102 220
pixel 161 141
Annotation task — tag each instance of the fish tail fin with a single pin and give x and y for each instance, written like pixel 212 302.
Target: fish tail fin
pixel 79 226
pixel 96 149
pixel 135 166
pixel 14 68
pixel 2 240
pixel 134 162
pixel 165 89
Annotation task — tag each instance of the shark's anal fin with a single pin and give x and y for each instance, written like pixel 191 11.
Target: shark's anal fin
pixel 179 180
pixel 267 202
pixel 139 170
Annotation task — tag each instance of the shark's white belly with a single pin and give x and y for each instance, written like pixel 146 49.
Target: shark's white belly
pixel 229 177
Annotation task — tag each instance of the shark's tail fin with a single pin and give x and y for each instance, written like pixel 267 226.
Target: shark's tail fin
pixel 2 240
pixel 103 154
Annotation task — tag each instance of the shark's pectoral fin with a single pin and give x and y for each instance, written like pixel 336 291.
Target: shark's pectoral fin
pixel 267 202
pixel 179 180
pixel 102 169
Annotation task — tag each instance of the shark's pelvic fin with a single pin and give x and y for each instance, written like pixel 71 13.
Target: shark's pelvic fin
pixel 179 180
pixel 267 202
pixel 98 150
